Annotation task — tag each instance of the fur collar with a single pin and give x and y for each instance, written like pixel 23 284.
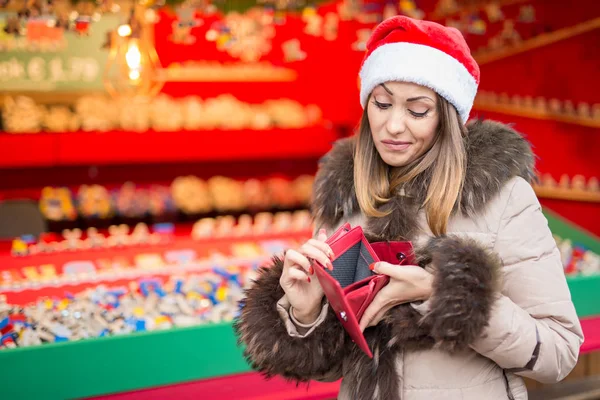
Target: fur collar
pixel 495 154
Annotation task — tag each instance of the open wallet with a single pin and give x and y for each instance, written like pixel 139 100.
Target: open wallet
pixel 351 285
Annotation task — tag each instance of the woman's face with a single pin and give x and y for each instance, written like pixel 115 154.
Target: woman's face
pixel 404 120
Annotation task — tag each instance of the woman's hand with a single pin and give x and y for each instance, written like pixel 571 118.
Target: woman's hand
pixel 303 293
pixel 408 283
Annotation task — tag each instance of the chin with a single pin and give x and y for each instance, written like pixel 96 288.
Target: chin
pixel 396 160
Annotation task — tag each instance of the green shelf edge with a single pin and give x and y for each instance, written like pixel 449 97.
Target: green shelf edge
pixel 120 363
pixel 142 360
pixel 584 294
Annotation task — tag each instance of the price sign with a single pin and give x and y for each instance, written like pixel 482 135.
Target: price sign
pixel 77 64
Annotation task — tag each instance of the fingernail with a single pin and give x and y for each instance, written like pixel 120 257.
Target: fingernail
pixel 308 277
pixel 310 271
pixel 331 255
pixel 372 266
pixel 330 265
pixel 322 231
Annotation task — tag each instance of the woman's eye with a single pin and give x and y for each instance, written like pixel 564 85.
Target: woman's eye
pixel 382 106
pixel 418 115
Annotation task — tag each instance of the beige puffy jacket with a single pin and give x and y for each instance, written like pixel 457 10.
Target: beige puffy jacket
pixel 529 326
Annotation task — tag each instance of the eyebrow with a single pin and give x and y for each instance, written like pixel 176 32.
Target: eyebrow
pixel 407 100
pixel 418 98
pixel 387 90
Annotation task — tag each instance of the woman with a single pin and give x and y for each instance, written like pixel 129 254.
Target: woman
pixel 487 304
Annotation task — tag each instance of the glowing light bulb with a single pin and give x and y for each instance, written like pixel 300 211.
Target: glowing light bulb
pixel 133 57
pixel 124 30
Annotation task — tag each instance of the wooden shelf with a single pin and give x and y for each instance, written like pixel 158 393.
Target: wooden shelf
pixel 124 147
pixel 567 194
pixel 488 56
pixel 519 111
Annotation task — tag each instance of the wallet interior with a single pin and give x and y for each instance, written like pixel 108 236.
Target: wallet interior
pixel 352 265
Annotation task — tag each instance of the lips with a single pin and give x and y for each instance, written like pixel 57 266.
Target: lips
pixel 394 142
pixel 396 145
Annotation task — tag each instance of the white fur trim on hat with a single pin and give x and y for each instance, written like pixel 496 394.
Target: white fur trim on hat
pixel 423 65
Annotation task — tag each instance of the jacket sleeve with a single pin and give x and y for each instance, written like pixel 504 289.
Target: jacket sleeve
pixel 275 345
pixel 533 329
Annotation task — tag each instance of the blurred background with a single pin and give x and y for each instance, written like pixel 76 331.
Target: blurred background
pixel 155 153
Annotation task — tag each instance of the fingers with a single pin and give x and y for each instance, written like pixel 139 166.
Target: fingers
pixel 316 254
pixel 324 247
pixel 372 310
pixel 295 258
pixel 297 274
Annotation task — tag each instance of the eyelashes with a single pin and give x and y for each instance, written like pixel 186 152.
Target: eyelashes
pixel 381 106
pixel 418 115
pixel 385 106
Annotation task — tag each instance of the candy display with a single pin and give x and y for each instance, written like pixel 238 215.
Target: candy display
pixel 72 239
pixel 162 113
pixel 226 225
pixel 302 187
pixel 97 113
pixel 166 114
pixel 132 201
pixel 141 234
pixel 22 115
pixel 256 197
pixel 124 257
pixel 226 194
pixel 135 114
pixel 188 194
pixel 281 193
pixel 191 195
pixel 60 119
pixel 144 305
pixel 576 258
pixel 160 200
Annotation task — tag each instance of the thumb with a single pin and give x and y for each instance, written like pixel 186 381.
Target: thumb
pixel 322 236
pixel 385 268
pixel 368 315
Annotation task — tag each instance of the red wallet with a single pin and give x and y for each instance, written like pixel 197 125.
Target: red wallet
pixel 351 286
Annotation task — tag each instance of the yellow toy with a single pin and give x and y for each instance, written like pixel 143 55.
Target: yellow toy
pixel 94 201
pixel 56 204
pixel 19 248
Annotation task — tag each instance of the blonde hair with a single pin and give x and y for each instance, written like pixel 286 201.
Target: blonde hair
pixel 445 163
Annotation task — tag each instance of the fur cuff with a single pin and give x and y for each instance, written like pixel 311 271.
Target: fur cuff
pixel 270 349
pixel 464 288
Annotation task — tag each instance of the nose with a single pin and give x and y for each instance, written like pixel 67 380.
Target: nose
pixel 396 123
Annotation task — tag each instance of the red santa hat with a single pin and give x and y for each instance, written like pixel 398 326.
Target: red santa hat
pixel 421 52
